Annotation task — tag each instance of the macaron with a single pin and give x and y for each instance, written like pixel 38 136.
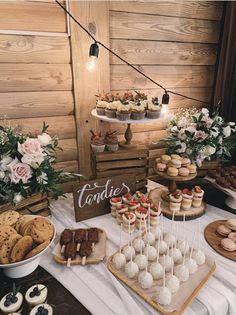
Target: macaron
pixel 192 168
pixel 176 157
pixel 223 230
pixel 161 167
pixel 232 236
pixel 185 162
pixel 172 171
pixel 183 171
pixel 165 158
pixel 175 163
pixel 228 244
pixel 231 224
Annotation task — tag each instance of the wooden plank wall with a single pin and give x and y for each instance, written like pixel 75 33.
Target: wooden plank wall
pixel 36 74
pixel 174 42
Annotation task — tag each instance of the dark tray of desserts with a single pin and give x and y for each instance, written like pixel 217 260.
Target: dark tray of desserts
pixel 224 176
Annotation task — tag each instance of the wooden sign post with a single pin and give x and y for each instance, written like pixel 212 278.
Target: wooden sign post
pixel 91 198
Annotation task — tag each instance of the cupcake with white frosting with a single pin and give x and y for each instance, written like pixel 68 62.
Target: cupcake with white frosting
pixel 138 110
pixel 153 108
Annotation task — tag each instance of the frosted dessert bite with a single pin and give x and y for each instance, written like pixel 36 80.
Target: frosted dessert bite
pixel 42 309
pixel 12 301
pixel 37 294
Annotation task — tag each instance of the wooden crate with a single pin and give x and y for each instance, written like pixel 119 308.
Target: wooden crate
pixel 36 204
pixel 132 161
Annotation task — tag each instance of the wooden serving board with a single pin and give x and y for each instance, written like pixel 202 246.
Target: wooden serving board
pixel 96 257
pixel 176 178
pixel 156 195
pixel 180 300
pixel 213 239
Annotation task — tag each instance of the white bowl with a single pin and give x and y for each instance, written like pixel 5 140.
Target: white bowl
pixel 25 267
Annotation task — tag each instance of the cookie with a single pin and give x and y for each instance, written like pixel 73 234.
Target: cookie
pixel 5 231
pixel 18 223
pixel 21 248
pixel 37 249
pixel 231 224
pixel 41 230
pixel 9 217
pixel 7 247
pixel 24 223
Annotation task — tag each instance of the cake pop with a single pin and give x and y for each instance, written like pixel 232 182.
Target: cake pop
pixel 119 259
pixel 164 293
pixel 168 259
pixel 138 245
pixel 181 271
pixel 172 282
pixel 149 237
pixel 128 250
pixel 163 244
pixel 150 252
pixel 131 268
pixel 190 263
pixel 145 278
pixel 198 254
pixel 183 245
pixel 156 268
pixel 140 259
pixel 170 238
pixel 175 252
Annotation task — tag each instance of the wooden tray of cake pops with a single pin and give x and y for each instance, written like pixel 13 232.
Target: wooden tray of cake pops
pixel 96 257
pixel 156 195
pixel 181 299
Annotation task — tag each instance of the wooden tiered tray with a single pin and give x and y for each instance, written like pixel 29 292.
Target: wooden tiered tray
pixel 160 193
pixel 213 239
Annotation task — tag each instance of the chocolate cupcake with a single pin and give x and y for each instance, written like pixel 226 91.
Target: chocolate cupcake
pixel 153 108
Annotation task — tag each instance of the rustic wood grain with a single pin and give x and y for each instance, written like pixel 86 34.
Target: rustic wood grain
pixel 69 150
pixel 140 26
pixel 163 53
pixel 28 16
pixel 67 166
pixel 94 16
pixel 37 104
pixel 34 49
pixel 110 173
pixel 62 126
pixel 35 77
pixel 124 77
pixel 208 10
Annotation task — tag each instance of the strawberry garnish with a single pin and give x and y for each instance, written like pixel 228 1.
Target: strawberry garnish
pixel 197 189
pixel 133 203
pixel 142 210
pixel 116 199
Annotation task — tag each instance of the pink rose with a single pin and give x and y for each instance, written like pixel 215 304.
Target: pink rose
pixel 200 135
pixel 30 146
pixel 19 171
pixel 208 121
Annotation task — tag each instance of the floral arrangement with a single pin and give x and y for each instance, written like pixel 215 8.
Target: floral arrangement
pixel 26 165
pixel 195 134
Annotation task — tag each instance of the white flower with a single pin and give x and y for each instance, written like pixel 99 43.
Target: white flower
pixel 182 122
pixel 4 162
pixel 2 174
pixel 182 135
pixel 17 198
pixel 214 133
pixel 220 140
pixel 199 161
pixel 191 129
pixel 182 147
pixel 231 123
pixel 209 150
pixel 205 111
pixel 44 139
pixel 227 131
pixel 33 160
pixel 42 179
pixel 174 128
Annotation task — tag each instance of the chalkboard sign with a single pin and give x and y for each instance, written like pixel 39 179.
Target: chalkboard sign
pixel 91 198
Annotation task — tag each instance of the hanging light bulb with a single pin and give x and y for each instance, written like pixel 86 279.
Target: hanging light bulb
pixel 165 102
pixel 91 64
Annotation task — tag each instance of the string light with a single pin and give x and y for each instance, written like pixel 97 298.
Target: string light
pixel 91 64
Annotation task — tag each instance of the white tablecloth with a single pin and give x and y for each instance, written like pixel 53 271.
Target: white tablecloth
pixel 102 294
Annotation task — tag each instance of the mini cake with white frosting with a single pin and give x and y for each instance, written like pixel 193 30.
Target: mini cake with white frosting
pixel 37 294
pixel 11 303
pixel 42 309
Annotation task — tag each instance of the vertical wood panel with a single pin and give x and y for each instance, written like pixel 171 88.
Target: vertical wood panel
pixel 94 16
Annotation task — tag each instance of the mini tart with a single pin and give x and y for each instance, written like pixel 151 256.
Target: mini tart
pixel 175 197
pixel 134 204
pixel 185 162
pixel 176 157
pixel 35 300
pixel 165 158
pixel 161 167
pixel 120 209
pixel 127 198
pixel 141 213
pixel 129 218
pixel 175 163
pixel 13 307
pixel 46 306
pixel 172 171
pixel 115 201
pixel 192 168
pixel 198 192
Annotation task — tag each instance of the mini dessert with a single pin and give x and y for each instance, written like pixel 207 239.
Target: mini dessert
pixel 156 268
pixel 185 162
pixel 169 239
pixel 66 237
pixel 154 213
pixel 197 196
pixel 168 261
pixel 175 201
pixel 123 110
pixel 176 157
pixel 42 309
pixel 199 256
pixel 181 272
pixel 93 236
pixel 80 236
pixel 97 142
pixel 9 217
pixel 161 167
pixel 150 252
pixel 111 141
pixel 231 223
pixel 119 260
pixel 115 201
pixel 164 293
pixel 172 283
pixel 138 109
pixel 149 238
pixel 153 108
pixel 70 252
pixel 127 198
pixel 232 236
pixel 101 104
pixel 145 201
pixel 174 163
pixel 37 294
pixel 141 217
pixel 7 246
pixel 113 211
pixel 128 219
pixel 12 302
pixel 131 269
pixel 223 230
pixel 138 195
pixel 145 279
pixel 85 251
pixel 183 171
pixel 176 253
pixel 172 171
pixel 165 159
pixel 141 261
pixel 183 246
pixel 228 244
pixel 128 251
pixel 111 108
pixel 187 198
pixel 120 210
pixel 133 205
pixel 138 245
pixel 192 168
pixel 191 264
pixel 163 247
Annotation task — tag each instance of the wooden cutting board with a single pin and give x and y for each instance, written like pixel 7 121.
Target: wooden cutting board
pixel 213 239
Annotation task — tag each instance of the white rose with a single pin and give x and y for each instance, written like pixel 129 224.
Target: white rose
pixel 182 135
pixel 231 123
pixel 205 111
pixel 191 129
pixel 17 198
pixel 174 128
pixel 42 179
pixel 182 147
pixel 2 174
pixel 33 160
pixel 209 150
pixel 227 131
pixel 214 133
pixel 44 139
pixel 220 139
pixel 5 161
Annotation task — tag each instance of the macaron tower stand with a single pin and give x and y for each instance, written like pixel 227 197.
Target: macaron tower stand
pixel 163 193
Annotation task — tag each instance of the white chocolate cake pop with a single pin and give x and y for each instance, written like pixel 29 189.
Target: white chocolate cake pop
pixel 183 245
pixel 199 256
pixel 145 279
pixel 164 293
pixel 156 232
pixel 141 261
pixel 149 237
pixel 169 238
pixel 150 252
pixel 172 282
pixel 119 259
pixel 190 263
pixel 138 245
pixel 128 250
pixel 163 247
pixel 181 271
pixel 131 269
pixel 175 252
pixel 156 268
pixel 168 260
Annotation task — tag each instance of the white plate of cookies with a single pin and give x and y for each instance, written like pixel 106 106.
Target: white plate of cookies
pixel 23 239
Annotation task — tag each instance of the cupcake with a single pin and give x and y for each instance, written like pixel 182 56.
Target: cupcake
pixel 175 201
pixel 134 204
pixel 42 309
pixel 141 217
pixel 111 108
pixel 97 142
pixel 127 198
pixel 187 196
pixel 197 196
pixel 124 109
pixel 120 210
pixel 138 110
pixel 128 219
pixel 11 302
pixel 111 141
pixel 101 104
pixel 37 294
pixel 153 108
